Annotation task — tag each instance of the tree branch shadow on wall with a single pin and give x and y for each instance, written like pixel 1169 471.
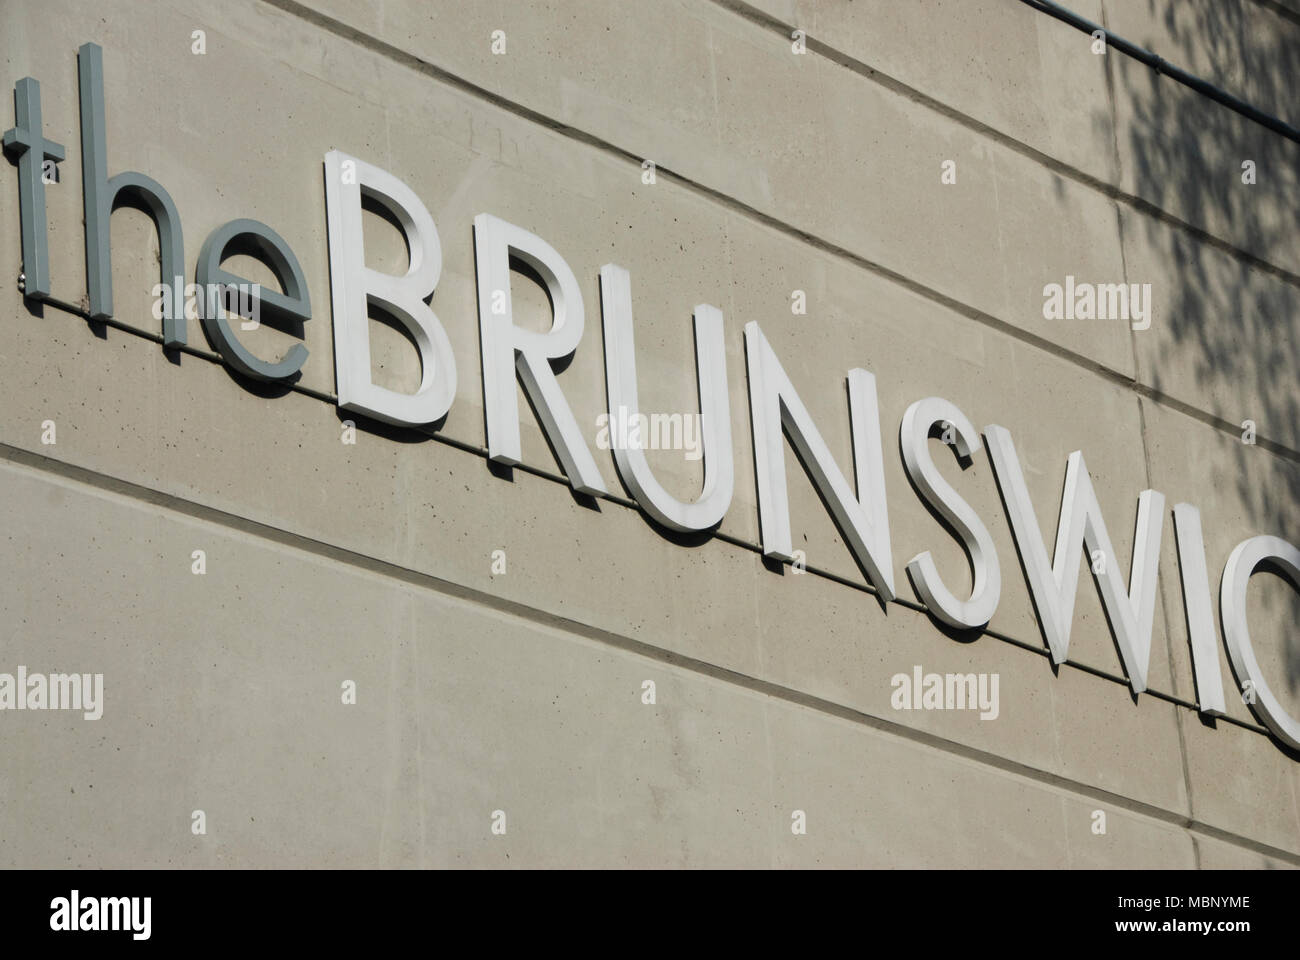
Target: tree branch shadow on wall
pixel 1230 324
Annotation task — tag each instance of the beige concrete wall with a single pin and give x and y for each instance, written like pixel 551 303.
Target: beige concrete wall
pixel 522 691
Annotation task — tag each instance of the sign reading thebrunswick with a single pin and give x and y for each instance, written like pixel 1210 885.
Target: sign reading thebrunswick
pixel 512 353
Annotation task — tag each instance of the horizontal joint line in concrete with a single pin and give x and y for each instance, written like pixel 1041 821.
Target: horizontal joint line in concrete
pixel 289 539
pixel 562 480
pixel 388 51
pixel 202 512
pixel 1140 204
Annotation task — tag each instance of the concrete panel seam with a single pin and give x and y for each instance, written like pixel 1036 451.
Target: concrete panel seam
pixel 830 248
pixel 532 615
pixel 135 491
pixel 7 451
pixel 1139 204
